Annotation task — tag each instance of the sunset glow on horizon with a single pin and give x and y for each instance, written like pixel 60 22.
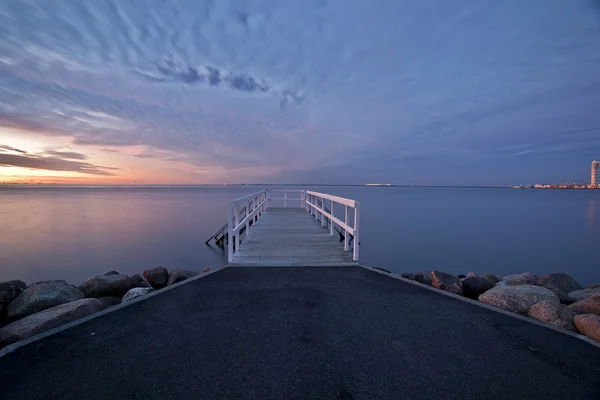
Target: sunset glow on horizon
pixel 250 91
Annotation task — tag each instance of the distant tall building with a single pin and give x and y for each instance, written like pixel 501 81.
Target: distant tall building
pixel 595 172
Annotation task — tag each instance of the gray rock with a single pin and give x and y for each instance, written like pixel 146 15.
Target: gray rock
pixel 511 283
pixel 42 296
pixel 579 295
pixel 517 298
pixel 109 301
pixel 562 296
pixel 135 293
pixel 157 277
pixel 590 305
pixel 108 285
pixel 526 277
pixel 593 286
pixel 2 315
pixel 461 276
pixel 423 277
pixel 19 283
pixel 493 279
pixel 113 272
pixel 473 287
pixel 446 282
pixel 178 275
pixel 47 319
pixel 138 280
pixel 471 275
pixel 8 292
pixel 561 281
pixel 589 325
pixel 552 312
pixel 408 275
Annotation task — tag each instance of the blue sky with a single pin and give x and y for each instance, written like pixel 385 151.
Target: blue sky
pixel 323 91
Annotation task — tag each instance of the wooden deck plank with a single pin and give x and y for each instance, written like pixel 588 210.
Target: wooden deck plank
pixel 290 236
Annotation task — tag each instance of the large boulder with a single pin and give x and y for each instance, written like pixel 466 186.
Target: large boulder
pixel 2 315
pixel 157 277
pixel 138 280
pixel 518 298
pixel 561 281
pixel 8 292
pixel 408 275
pixel 109 301
pixel 562 296
pixel 526 277
pixel 41 296
pixel 135 293
pixel 178 275
pixel 108 285
pixel 47 319
pixel 473 287
pixel 583 294
pixel 19 283
pixel 423 277
pixel 589 325
pixel 552 312
pixel 511 283
pixel 446 282
pixel 593 286
pixel 493 279
pixel 590 305
pixel 113 272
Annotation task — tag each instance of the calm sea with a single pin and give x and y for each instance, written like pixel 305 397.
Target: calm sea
pixel 72 233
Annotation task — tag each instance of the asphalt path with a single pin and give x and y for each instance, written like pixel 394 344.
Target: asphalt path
pixel 302 333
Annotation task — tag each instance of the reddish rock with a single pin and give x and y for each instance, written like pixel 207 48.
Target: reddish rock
pixel 446 282
pixel 583 294
pixel 589 325
pixel 526 277
pixel 553 313
pixel 517 298
pixel 561 281
pixel 207 269
pixel 157 277
pixel 590 305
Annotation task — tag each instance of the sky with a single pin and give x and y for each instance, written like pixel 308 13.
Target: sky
pixel 432 92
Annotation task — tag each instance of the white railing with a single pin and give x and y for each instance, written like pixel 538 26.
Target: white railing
pixel 256 203
pixel 313 207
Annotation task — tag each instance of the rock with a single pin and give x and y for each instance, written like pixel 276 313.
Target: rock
pixel 552 312
pixel 109 301
pixel 445 281
pixel 593 286
pixel 178 275
pixel 157 277
pixel 8 292
pixel 562 296
pixel 583 294
pixel 2 315
pixel 135 293
pixel 408 275
pixel 471 275
pixel 589 325
pixel 113 272
pixel 138 280
pixel 526 277
pixel 461 276
pixel 590 305
pixel 493 279
pixel 423 277
pixel 47 319
pixel 474 286
pixel 41 296
pixel 559 280
pixel 109 285
pixel 19 283
pixel 210 268
pixel 517 298
pixel 511 283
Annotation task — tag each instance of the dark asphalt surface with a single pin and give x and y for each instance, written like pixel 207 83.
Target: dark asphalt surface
pixel 302 333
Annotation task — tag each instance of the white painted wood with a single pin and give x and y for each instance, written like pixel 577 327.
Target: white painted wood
pixel 341 200
pixel 356 232
pixel 347 221
pixel 229 233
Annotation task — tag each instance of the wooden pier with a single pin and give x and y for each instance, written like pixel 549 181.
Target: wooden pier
pixel 293 228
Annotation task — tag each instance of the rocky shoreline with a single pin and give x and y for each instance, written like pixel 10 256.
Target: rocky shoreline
pixel 26 310
pixel 553 298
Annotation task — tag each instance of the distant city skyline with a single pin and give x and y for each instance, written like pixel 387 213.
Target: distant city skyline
pixel 338 91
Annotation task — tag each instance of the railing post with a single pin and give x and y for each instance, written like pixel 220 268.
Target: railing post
pixel 236 217
pixel 229 233
pixel 331 219
pixel 356 230
pixel 346 233
pixel 323 219
pixel 245 217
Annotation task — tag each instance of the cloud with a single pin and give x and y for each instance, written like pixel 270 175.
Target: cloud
pixel 69 155
pixel 11 149
pixel 53 164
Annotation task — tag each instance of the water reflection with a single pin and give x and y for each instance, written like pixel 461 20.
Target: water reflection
pixel 591 216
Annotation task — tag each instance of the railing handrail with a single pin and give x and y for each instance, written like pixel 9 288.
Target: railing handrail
pixel 244 198
pixel 340 200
